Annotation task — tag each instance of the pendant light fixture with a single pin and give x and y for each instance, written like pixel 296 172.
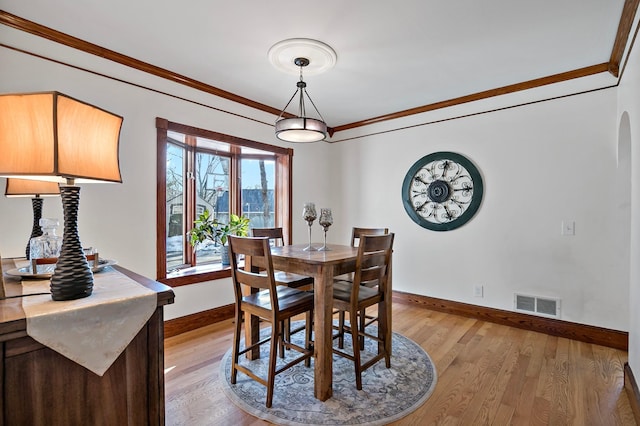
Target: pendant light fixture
pixel 301 128
pixel 296 55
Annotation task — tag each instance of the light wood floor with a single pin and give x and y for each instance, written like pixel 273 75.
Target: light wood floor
pixel 488 374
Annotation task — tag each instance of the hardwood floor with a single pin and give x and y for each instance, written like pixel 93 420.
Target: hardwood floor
pixel 488 374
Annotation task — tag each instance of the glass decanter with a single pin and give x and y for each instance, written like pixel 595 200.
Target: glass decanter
pixel 47 245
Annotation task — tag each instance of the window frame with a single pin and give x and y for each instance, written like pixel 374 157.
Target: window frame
pixel 283 188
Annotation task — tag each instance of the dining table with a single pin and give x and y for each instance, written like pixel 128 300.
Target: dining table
pixel 323 266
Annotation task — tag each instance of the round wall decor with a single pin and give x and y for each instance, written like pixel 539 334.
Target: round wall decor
pixel 442 191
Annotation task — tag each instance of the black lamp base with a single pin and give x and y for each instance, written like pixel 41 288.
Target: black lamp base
pixel 72 278
pixel 36 231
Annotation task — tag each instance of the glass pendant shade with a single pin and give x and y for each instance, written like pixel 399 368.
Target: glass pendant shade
pixel 51 136
pixel 301 129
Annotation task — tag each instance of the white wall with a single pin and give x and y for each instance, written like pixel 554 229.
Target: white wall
pixel 628 122
pixel 541 163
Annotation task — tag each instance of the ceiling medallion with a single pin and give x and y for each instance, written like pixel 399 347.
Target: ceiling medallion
pixel 320 55
pixel 308 55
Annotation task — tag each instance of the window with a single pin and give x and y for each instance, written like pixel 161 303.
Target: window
pixel 204 170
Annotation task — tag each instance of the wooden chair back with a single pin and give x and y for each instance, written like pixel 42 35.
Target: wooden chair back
pixel 373 263
pixel 274 234
pixel 356 233
pixel 257 248
pixel 282 278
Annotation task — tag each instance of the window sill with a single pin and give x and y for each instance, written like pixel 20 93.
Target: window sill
pixel 196 274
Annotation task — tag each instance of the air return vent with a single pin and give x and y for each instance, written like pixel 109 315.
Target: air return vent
pixel 544 306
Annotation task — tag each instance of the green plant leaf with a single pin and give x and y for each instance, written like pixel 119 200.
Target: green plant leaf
pixel 207 228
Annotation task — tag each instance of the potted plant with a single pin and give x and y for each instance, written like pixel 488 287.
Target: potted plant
pixel 206 227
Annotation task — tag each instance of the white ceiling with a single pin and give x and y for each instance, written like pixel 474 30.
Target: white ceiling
pixel 392 55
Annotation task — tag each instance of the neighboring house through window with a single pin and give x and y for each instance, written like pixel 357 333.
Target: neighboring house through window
pixel 204 170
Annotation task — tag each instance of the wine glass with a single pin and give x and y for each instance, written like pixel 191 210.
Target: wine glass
pixel 309 214
pixel 326 219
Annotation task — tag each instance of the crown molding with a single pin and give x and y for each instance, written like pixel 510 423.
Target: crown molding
pixel 613 66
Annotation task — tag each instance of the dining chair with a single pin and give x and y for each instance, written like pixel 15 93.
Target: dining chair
pixel 356 234
pixel 271 303
pixel 288 279
pixel 369 288
pixel 283 278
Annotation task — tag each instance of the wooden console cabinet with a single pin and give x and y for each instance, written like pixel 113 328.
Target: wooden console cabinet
pixel 42 387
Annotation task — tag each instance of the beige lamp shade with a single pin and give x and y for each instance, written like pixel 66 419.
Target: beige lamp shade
pixel 30 188
pixel 51 136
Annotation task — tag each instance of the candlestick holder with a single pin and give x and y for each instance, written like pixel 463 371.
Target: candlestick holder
pixel 309 214
pixel 326 219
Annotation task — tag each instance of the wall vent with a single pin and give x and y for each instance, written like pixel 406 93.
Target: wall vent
pixel 543 306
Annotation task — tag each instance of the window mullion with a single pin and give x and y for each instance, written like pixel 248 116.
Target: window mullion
pixel 190 196
pixel 235 186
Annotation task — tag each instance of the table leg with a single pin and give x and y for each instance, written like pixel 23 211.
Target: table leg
pixel 323 301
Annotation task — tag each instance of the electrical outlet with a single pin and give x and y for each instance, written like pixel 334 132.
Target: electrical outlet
pixel 478 291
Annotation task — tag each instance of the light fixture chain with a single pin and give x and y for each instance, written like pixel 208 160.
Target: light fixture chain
pixel 302 88
pixel 301 108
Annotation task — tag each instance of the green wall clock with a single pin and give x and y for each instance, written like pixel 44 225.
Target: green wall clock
pixel 442 191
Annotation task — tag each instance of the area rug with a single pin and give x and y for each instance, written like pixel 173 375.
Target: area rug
pixel 387 394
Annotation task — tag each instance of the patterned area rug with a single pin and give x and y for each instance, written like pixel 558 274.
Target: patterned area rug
pixel 387 394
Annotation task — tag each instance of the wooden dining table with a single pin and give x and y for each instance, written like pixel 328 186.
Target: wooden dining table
pixel 323 266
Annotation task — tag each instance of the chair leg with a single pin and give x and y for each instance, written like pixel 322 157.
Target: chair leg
pixel 382 334
pixel 341 329
pixel 286 325
pixel 307 336
pixel 236 347
pixel 353 321
pixel 281 337
pixel 273 353
pixel 363 320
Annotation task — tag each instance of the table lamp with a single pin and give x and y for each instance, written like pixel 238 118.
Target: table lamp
pixel 53 137
pixel 36 189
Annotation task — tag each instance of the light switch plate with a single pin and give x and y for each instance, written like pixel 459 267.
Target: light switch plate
pixel 568 227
